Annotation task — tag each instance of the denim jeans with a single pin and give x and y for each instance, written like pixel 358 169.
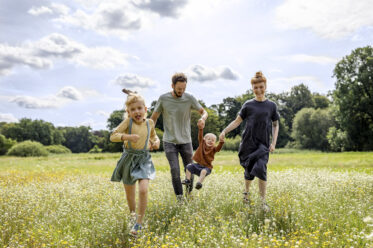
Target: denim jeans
pixel 172 153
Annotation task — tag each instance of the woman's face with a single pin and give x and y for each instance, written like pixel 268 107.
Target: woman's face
pixel 259 89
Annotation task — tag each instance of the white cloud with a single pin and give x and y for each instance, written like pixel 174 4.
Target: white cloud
pixel 169 8
pixel 132 81
pixel 114 18
pixel 7 118
pixel 322 60
pixel 69 92
pixel 103 113
pixel 63 96
pixel 42 54
pixel 30 102
pixel 54 8
pixel 330 19
pixel 36 11
pixel 12 56
pixel 202 73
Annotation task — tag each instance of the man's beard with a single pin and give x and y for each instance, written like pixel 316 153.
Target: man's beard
pixel 177 94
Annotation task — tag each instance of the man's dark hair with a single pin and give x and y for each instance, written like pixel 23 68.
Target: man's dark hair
pixel 179 77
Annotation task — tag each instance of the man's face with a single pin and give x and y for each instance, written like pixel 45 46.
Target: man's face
pixel 259 89
pixel 179 88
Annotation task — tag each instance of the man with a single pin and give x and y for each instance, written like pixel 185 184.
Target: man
pixel 176 107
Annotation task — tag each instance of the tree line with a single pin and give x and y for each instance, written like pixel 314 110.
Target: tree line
pixel 342 120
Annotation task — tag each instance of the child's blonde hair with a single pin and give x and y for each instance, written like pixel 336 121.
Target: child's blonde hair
pixel 210 134
pixel 259 77
pixel 132 97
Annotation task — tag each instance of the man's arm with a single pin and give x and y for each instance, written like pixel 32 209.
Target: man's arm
pixel 155 116
pixel 275 129
pixel 201 121
pixel 233 125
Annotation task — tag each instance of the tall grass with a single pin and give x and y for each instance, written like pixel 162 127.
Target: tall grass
pixel 316 199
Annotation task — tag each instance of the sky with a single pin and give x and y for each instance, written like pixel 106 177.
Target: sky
pixel 66 61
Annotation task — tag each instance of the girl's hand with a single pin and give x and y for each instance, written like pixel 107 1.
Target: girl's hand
pixel 154 146
pixel 134 138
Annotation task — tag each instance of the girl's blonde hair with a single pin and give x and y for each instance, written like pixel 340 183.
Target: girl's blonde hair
pixel 259 77
pixel 132 97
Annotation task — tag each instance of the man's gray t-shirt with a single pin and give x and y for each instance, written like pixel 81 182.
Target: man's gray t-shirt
pixel 176 114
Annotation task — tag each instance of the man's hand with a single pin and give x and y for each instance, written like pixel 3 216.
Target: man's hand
pixel 272 148
pixel 201 124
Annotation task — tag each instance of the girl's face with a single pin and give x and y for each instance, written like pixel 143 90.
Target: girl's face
pixel 259 89
pixel 137 111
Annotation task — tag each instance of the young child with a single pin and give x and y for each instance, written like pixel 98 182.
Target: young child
pixel 261 118
pixel 139 136
pixel 203 157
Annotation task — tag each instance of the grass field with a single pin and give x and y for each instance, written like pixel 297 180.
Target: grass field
pixel 316 199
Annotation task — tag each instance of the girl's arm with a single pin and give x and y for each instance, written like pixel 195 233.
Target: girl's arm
pixel 120 133
pixel 154 140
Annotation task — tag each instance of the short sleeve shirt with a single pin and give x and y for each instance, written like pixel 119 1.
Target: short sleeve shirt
pixel 176 114
pixel 259 117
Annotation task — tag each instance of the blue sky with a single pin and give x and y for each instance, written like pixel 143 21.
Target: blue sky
pixel 66 61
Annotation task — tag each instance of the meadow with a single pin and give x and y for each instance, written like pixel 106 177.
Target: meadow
pixel 317 200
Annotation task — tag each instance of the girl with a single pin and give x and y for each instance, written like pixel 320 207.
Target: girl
pixel 139 136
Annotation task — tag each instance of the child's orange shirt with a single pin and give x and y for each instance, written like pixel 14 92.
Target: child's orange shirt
pixel 203 155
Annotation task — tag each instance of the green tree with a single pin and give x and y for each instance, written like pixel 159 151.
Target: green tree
pixel 320 101
pixel 78 139
pixel 310 128
pixel 115 119
pixel 5 144
pixel 36 130
pixel 353 97
pixel 290 103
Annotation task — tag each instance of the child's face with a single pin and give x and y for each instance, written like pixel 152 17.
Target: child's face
pixel 259 89
pixel 137 111
pixel 210 140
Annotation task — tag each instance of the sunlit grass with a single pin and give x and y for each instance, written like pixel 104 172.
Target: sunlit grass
pixel 317 200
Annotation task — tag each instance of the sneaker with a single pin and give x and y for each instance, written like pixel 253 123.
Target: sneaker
pixel 186 182
pixel 246 198
pixel 265 207
pixel 135 230
pixel 198 185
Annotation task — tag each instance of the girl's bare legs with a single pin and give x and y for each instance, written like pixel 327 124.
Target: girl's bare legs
pixel 131 196
pixel 143 199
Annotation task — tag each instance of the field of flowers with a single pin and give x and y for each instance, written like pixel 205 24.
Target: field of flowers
pixel 316 199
